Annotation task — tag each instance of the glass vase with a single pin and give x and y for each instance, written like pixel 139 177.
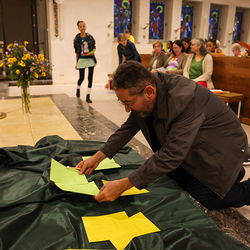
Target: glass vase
pixel 25 94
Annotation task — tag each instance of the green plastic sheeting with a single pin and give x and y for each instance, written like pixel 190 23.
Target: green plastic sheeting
pixel 36 214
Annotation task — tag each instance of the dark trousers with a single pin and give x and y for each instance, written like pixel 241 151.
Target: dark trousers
pixel 238 195
pixel 82 74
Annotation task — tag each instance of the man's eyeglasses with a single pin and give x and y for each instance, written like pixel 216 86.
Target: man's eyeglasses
pixel 132 102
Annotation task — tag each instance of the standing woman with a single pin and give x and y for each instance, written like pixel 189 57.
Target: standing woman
pixel 84 45
pixel 199 66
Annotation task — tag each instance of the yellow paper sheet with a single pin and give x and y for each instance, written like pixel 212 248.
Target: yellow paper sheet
pixel 105 164
pixel 117 228
pixel 131 191
pixel 99 228
pixel 68 179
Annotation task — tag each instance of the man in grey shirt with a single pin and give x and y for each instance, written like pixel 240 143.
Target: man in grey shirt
pixel 197 139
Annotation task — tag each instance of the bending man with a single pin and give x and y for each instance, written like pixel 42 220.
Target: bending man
pixel 197 140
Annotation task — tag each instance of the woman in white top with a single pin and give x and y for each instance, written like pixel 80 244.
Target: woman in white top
pixel 158 58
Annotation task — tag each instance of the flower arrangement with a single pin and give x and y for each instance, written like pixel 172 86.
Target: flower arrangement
pixel 25 67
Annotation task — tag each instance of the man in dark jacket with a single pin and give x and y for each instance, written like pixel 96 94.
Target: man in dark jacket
pixel 197 139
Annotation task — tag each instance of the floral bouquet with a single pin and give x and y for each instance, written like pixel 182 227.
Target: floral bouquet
pixel 25 67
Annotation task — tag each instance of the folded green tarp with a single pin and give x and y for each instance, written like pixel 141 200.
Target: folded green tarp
pixel 36 214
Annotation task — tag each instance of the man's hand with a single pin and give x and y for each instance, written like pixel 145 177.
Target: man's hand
pixel 88 166
pixel 169 72
pixel 113 189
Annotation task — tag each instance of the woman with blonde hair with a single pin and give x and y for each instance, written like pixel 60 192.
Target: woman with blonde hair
pixel 158 57
pixel 199 66
pixel 236 49
pixel 127 49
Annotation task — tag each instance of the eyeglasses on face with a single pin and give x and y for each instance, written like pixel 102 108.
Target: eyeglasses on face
pixel 133 101
pixel 192 44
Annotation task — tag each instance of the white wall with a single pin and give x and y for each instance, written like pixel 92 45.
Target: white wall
pixel 98 14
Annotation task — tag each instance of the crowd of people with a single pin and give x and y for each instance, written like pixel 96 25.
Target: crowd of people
pixel 192 59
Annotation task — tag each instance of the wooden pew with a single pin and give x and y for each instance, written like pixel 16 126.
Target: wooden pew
pixel 233 74
pixel 145 58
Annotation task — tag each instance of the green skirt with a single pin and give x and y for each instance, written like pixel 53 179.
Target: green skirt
pixel 85 63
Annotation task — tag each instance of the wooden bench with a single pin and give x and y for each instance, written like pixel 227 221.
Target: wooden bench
pixel 233 74
pixel 232 97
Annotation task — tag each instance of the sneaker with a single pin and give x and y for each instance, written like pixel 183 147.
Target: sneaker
pixel 78 93
pixel 88 99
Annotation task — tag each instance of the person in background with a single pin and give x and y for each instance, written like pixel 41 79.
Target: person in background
pixel 84 45
pixel 212 47
pixel 158 58
pixel 128 35
pixel 127 49
pixel 236 49
pixel 169 47
pixel 217 44
pixel 186 43
pixel 177 60
pixel 199 66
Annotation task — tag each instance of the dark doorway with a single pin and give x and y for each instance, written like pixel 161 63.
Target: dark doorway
pixel 24 20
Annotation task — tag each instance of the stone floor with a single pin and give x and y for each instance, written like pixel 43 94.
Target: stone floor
pixel 73 118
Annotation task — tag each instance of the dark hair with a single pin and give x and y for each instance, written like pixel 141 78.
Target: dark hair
pixel 186 40
pixel 212 41
pixel 133 76
pixel 171 43
pixel 203 49
pixel 127 31
pixel 180 44
pixel 80 22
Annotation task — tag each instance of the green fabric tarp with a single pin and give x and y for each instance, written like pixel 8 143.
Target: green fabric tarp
pixel 35 214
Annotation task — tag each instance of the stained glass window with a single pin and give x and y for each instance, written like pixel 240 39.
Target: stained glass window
pixel 122 16
pixel 213 23
pixel 156 20
pixel 186 21
pixel 237 26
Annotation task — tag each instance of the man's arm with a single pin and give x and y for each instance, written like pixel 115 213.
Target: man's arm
pixel 169 157
pixel 121 137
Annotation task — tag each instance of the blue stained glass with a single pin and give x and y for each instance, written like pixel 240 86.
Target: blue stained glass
pixel 213 23
pixel 156 20
pixel 186 21
pixel 237 26
pixel 122 16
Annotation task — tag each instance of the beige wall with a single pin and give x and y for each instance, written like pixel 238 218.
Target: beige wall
pixel 99 13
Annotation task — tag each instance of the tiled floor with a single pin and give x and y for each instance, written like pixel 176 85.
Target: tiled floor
pixel 47 119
